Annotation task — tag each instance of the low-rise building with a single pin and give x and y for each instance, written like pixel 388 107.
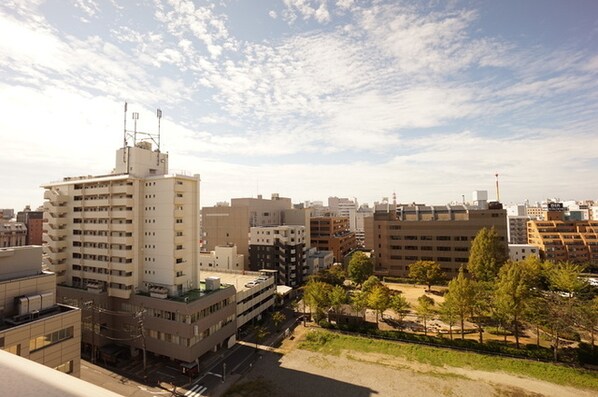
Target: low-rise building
pixel 318 260
pixel 33 325
pixel 518 252
pixel 223 257
pixel 255 292
pixel 12 234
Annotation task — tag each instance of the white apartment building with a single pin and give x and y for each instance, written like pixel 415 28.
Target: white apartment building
pixel 125 246
pixel 134 229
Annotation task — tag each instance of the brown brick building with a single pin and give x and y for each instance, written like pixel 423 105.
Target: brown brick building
pixel 560 240
pixel 33 221
pixel 332 234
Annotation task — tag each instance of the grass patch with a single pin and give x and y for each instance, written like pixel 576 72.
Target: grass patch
pixel 331 343
pixel 253 388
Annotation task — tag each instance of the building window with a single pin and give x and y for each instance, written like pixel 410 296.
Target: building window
pixel 50 339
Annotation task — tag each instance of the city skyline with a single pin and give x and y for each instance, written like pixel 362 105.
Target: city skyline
pixel 308 99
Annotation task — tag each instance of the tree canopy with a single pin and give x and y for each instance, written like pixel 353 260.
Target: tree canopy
pixel 514 290
pixel 460 297
pixel 425 272
pixel 488 253
pixel 360 267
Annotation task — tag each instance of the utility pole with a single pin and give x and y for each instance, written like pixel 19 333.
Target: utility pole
pixel 91 306
pixel 139 316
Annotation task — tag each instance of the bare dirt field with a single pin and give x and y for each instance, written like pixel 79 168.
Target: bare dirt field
pixel 294 372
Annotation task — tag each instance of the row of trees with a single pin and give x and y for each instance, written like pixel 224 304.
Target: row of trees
pixel 553 298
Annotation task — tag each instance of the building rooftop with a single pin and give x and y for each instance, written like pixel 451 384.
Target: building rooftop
pixel 238 279
pixel 22 319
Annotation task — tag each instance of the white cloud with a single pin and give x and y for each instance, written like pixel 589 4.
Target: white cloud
pixel 273 14
pixel 316 9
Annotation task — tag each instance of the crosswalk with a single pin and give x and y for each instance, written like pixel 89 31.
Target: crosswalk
pixel 196 391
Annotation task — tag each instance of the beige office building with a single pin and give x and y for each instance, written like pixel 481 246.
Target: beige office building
pixel 442 234
pixel 125 247
pixel 230 225
pixel 33 325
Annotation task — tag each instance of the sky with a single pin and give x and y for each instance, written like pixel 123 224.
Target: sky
pixel 307 98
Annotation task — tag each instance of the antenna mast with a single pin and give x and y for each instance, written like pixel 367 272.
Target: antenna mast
pixel 497 191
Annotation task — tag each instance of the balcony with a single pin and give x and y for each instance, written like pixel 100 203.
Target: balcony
pixel 119 293
pixel 123 189
pixel 125 280
pixel 54 232
pixel 124 214
pixel 91 202
pixel 122 227
pixel 96 190
pixel 158 292
pixel 55 246
pixel 55 197
pixel 123 202
pixel 55 267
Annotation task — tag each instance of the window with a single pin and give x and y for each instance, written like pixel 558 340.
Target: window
pixel 50 339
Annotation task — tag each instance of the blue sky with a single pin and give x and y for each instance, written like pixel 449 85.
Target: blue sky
pixel 309 99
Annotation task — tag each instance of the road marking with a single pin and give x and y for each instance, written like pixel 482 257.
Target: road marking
pixel 196 391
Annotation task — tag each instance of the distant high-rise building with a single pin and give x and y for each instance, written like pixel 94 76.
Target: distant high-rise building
pixel 517 229
pixel 344 208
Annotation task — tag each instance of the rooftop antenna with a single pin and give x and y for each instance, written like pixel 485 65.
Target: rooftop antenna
pixel 159 115
pixel 497 191
pixel 135 118
pixel 139 136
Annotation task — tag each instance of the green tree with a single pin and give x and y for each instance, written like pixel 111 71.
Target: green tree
pixel 369 284
pixel 536 313
pixel 488 253
pixel 360 267
pixel 335 275
pixel 481 304
pixel 565 285
pixel 278 318
pixel 587 318
pixel 461 296
pixel 317 296
pixel 379 299
pixel 425 309
pixel 425 272
pixel 338 297
pixel 399 304
pixel 448 314
pixel 359 301
pixel 514 290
